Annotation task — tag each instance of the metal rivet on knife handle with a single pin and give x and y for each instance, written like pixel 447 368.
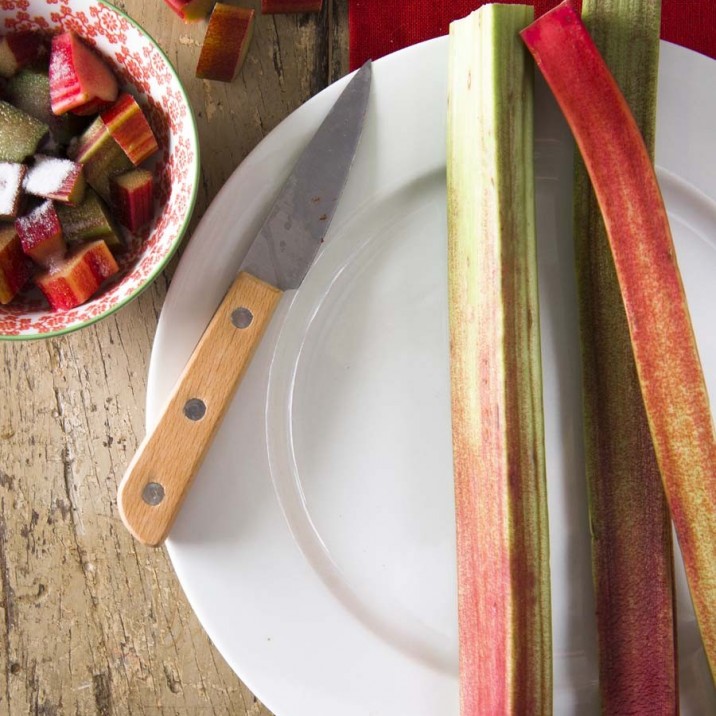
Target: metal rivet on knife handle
pixel 153 493
pixel 170 455
pixel 194 409
pixel 242 317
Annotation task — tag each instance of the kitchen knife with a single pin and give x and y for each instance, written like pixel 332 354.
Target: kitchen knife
pixel 161 472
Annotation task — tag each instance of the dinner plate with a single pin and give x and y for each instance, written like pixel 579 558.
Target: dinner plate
pixel 317 543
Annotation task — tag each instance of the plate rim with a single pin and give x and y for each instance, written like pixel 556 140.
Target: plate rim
pixel 315 105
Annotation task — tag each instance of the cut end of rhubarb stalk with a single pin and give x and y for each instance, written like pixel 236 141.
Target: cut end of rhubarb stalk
pixel 90 142
pixel 127 124
pixel 89 221
pixel 54 178
pixel 277 7
pixel 662 339
pixel 29 91
pixel 78 277
pixel 101 157
pixel 94 106
pixel 78 75
pixel 498 433
pixel 133 198
pixel 11 177
pixel 14 266
pixel 190 10
pixel 20 134
pixel 19 49
pixel 226 43
pixel 41 235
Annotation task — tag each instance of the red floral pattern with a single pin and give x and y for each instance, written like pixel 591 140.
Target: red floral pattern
pixel 147 73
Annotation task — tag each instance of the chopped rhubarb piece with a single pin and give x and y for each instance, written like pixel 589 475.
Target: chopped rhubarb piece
pixel 94 106
pixel 89 220
pixel 129 128
pixel 190 10
pixel 100 156
pixel 20 134
pixel 41 235
pixel 17 50
pixel 11 176
pixel 133 198
pixel 275 7
pixel 90 142
pixel 78 75
pixel 14 266
pixel 29 91
pixel 226 42
pixel 77 278
pixel 54 178
pixel 103 165
pixel 662 338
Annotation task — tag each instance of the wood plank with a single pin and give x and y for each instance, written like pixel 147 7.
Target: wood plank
pixel 90 621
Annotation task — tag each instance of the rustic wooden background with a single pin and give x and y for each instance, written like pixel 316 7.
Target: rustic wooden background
pixel 92 622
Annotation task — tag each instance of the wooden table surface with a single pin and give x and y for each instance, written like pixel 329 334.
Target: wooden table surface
pixel 92 622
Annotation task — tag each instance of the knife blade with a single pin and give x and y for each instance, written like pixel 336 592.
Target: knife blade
pixel 160 474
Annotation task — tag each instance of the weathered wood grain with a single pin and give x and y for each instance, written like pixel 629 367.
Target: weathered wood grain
pixel 90 621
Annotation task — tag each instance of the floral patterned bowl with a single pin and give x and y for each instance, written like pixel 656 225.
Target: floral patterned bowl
pixel 143 69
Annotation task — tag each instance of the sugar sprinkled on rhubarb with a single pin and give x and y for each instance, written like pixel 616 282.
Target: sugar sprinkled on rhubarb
pixel 73 280
pixel 11 176
pixel 41 234
pixel 55 178
pixel 77 74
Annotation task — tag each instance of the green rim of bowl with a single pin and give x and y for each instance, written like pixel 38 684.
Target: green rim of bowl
pixel 182 230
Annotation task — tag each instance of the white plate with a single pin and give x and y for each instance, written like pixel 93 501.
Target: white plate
pixel 317 543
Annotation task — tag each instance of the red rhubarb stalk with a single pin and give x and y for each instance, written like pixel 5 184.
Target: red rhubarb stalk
pixel 19 49
pixel 226 42
pixel 74 279
pixel 40 235
pixel 275 7
pixel 662 339
pixel 14 266
pixel 78 75
pixel 127 124
pixel 498 430
pixel 133 198
pixel 190 10
pixel 632 556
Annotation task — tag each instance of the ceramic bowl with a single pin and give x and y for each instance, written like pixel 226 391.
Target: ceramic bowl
pixel 144 70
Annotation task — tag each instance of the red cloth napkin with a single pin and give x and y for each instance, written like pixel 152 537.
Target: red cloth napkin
pixel 379 27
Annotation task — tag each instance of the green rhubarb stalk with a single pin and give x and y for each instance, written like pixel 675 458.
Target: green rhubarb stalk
pixel 632 556
pixel 498 431
pixel 662 339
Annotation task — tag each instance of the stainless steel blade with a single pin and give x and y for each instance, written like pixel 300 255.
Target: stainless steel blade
pixel 289 239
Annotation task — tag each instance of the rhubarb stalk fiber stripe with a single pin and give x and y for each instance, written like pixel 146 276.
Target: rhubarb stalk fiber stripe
pixel 498 441
pixel 667 361
pixel 632 556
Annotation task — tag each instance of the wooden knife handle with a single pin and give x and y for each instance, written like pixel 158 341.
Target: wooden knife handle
pixel 159 476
